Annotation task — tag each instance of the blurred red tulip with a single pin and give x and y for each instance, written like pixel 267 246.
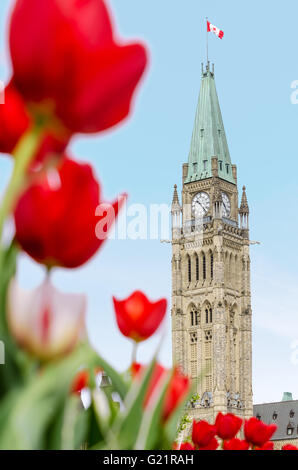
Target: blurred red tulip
pixel 267 446
pixel 14 120
pixel 177 391
pixel 213 445
pixel 203 433
pixel 45 322
pixel 80 382
pixel 82 379
pixel 186 446
pixel 227 426
pixel 178 388
pixel 69 67
pixel 56 217
pixel 258 433
pixel 289 447
pixel 235 444
pixel 137 317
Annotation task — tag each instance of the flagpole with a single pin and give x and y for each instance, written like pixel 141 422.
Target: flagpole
pixel 207 40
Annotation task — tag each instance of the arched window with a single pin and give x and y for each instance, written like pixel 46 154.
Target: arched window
pixel 197 268
pixel 208 313
pixel 204 266
pixel 194 318
pixel 189 269
pixel 211 266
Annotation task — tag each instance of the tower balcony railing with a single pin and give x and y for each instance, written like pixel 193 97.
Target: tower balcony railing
pixel 230 222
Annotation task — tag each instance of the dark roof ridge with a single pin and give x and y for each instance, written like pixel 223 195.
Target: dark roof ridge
pixel 275 402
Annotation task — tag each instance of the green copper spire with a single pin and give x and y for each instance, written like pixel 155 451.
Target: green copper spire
pixel 208 137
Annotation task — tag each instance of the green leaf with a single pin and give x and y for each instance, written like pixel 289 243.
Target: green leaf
pixel 117 381
pixel 10 374
pixel 151 427
pixel 125 430
pixel 8 258
pixel 94 438
pixel 73 413
pixel 171 427
pixel 36 405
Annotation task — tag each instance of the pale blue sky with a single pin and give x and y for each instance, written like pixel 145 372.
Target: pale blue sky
pixel 255 65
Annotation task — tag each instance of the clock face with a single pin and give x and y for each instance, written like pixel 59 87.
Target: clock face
pixel 226 205
pixel 200 204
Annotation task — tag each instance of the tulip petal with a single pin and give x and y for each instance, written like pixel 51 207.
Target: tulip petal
pixel 69 63
pixel 45 321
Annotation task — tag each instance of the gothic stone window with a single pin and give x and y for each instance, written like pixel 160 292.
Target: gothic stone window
pixel 197 268
pixel 208 313
pixel 193 337
pixel 189 268
pixel 211 265
pixel 208 360
pixel 194 318
pixel 204 266
pixel 193 355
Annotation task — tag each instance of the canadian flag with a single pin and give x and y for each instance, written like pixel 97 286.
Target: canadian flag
pixel 213 29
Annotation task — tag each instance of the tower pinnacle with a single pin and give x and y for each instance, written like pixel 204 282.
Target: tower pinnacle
pixel 244 209
pixel 175 197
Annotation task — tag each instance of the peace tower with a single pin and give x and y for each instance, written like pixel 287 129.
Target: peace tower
pixel 211 298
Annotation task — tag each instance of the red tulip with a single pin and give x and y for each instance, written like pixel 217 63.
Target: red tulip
pixel 137 317
pixel 82 379
pixel 258 433
pixel 14 120
pixel 45 322
pixel 177 391
pixel 227 426
pixel 235 444
pixel 289 447
pixel 213 445
pixel 69 67
pixel 56 218
pixel 80 382
pixel 267 446
pixel 186 446
pixel 202 433
pixel 178 388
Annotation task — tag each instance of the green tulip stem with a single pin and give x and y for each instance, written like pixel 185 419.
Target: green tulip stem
pixel 23 155
pixel 134 352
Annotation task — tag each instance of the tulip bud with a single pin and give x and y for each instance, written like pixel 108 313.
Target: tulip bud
pixel 258 433
pixel 44 321
pixel 137 317
pixel 227 426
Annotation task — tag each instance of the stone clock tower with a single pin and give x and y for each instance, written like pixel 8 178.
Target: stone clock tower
pixel 211 299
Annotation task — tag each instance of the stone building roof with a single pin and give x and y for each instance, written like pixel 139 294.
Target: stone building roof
pixel 284 414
